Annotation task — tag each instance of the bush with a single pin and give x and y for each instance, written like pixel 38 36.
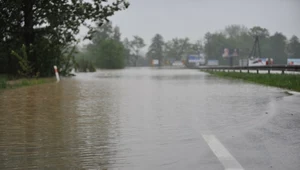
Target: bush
pixel 27 69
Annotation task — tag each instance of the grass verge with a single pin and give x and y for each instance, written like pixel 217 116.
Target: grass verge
pixel 286 81
pixel 6 84
pixel 3 81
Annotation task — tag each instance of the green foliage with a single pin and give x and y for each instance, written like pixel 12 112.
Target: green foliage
pixel 258 31
pixel 287 81
pixel 105 51
pixel 27 69
pixel 5 84
pixel 132 51
pixel 215 44
pixel 156 49
pixel 91 67
pixel 136 45
pixel 83 65
pixel 111 55
pixel 277 43
pixel 234 31
pixel 239 37
pixel 293 48
pixel 177 48
pixel 3 81
pixel 67 61
pixel 127 52
pixel 48 26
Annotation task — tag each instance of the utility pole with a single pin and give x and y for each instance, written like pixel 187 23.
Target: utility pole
pixel 255 49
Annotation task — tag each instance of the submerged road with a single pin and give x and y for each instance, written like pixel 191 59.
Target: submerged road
pixel 145 119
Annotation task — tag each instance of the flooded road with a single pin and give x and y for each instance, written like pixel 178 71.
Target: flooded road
pixel 149 119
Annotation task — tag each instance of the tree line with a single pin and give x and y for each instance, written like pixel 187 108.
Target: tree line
pixel 275 46
pixel 128 52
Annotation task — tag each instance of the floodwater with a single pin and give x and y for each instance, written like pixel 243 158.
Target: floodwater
pixel 129 119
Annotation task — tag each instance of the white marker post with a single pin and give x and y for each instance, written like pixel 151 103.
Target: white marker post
pixel 56 73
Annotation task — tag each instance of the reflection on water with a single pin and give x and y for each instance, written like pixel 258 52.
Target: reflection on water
pixel 127 119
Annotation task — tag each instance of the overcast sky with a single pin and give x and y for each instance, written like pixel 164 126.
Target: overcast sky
pixel 193 18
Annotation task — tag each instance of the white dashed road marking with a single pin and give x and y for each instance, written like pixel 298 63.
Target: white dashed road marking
pixel 228 161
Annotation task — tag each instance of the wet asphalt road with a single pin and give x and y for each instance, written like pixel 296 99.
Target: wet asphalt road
pixel 149 119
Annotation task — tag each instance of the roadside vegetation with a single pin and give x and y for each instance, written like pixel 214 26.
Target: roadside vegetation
pixel 10 84
pixel 3 81
pixel 286 81
pixel 35 35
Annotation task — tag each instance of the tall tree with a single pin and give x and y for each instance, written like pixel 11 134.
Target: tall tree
pixel 156 49
pixel 136 45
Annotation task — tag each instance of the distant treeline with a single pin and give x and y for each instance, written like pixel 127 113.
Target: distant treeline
pixel 275 46
pixel 107 50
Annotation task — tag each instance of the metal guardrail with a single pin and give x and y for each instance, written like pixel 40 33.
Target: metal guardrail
pixel 269 68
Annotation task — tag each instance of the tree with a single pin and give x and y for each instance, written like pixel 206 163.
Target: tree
pixel 234 31
pixel 104 32
pixel 215 44
pixel 198 47
pixel 136 45
pixel 177 48
pixel 117 34
pixel 277 44
pixel 111 55
pixel 51 23
pixel 156 48
pixel 259 31
pixel 127 52
pixel 293 47
pixel 105 50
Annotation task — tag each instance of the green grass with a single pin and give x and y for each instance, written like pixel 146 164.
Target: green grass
pixel 3 81
pixel 286 81
pixel 5 84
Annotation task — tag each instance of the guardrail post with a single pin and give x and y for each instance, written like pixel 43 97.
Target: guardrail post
pixel 257 71
pixel 248 71
pixel 240 71
pixel 268 71
pixel 282 71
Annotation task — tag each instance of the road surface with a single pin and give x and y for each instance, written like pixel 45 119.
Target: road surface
pixel 140 119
